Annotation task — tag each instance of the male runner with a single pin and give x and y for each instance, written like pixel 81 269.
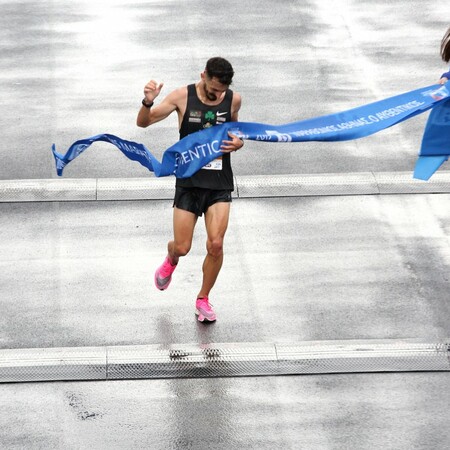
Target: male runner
pixel 207 103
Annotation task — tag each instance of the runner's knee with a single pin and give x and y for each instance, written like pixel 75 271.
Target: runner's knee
pixel 215 247
pixel 181 248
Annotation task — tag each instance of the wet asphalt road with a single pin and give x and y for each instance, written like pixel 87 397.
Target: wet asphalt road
pixel 361 267
pixel 296 269
pixel 74 70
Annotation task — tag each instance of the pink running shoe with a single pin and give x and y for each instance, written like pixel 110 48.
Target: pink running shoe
pixel 204 310
pixel 163 274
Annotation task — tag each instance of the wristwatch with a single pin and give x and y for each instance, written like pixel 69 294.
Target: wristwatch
pixel 146 104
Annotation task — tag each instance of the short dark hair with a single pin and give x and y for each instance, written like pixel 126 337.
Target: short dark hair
pixel 445 46
pixel 221 69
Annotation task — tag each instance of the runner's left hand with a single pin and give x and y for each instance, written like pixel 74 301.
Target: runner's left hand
pixel 233 145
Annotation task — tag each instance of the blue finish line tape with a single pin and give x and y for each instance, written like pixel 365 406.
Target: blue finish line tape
pixel 193 152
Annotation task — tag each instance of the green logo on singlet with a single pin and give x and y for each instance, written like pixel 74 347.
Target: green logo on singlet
pixel 209 115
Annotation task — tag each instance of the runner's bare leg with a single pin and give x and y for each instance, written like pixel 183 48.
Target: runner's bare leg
pixel 183 231
pixel 216 221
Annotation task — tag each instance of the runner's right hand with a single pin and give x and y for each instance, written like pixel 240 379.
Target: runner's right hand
pixel 152 90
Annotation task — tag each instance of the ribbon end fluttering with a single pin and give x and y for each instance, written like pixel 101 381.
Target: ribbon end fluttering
pixel 59 161
pixel 435 148
pixel 426 166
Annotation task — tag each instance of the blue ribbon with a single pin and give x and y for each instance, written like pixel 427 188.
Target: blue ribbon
pixel 191 153
pixel 435 148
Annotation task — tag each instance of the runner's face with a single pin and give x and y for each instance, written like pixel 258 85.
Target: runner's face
pixel 213 88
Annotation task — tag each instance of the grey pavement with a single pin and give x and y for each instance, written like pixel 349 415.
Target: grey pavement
pixel 296 269
pixel 364 411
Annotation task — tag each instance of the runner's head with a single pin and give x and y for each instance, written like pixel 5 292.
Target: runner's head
pixel 216 78
pixel 221 69
pixel 445 46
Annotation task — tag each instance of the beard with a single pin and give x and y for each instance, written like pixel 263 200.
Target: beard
pixel 209 95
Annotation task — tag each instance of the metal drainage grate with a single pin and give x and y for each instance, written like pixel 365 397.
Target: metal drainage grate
pixel 222 360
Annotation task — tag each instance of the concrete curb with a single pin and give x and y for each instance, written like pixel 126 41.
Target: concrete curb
pixel 222 360
pixel 250 186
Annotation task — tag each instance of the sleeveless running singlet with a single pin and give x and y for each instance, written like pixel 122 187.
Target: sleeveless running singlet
pixel 218 174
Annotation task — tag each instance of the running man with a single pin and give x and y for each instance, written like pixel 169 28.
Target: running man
pixel 209 102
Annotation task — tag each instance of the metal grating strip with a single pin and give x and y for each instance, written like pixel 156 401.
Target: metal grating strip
pixel 403 183
pixel 307 185
pixel 248 186
pixel 369 356
pixel 136 188
pixel 51 364
pixel 222 360
pixel 48 190
pixel 191 360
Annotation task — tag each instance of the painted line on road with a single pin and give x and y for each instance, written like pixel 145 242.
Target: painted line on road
pixel 222 360
pixel 246 186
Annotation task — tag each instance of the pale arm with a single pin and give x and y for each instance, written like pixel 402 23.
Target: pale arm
pixel 149 115
pixel 234 143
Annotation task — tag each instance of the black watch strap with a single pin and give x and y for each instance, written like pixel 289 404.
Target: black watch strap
pixel 147 105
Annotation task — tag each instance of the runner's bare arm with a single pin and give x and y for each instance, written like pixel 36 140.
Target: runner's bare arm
pixel 235 107
pixel 148 116
pixel 234 143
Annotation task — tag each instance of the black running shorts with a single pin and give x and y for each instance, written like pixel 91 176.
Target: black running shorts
pixel 198 200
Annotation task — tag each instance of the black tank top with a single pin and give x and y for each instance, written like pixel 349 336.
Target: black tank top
pixel 217 175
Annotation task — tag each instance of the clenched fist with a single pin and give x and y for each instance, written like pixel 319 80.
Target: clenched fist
pixel 152 90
